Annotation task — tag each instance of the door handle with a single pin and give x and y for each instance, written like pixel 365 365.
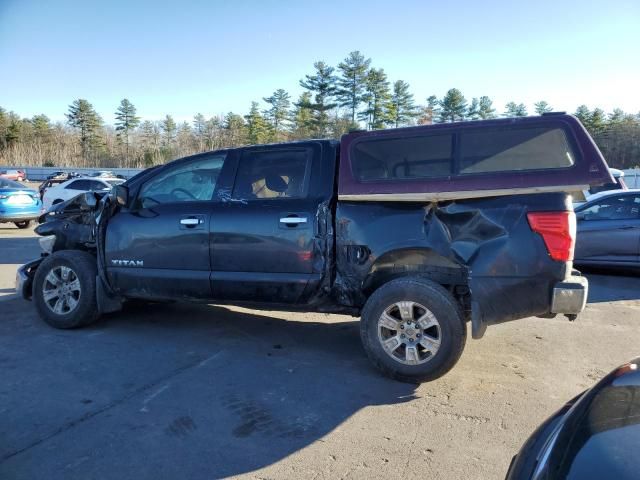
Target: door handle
pixel 293 220
pixel 627 227
pixel 191 222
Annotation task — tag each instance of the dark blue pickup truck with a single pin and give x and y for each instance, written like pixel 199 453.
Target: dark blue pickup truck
pixel 417 230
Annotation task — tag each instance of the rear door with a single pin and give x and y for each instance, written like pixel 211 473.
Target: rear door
pixel 263 237
pixel 160 246
pixel 609 230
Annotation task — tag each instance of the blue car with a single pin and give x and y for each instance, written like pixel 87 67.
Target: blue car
pixel 18 204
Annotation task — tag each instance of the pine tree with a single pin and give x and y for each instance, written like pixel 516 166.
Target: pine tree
pixel 278 111
pixel 473 112
pixel 453 107
pixel 597 121
pixel 542 107
pixel 87 122
pixel 485 108
pixel 257 128
pixel 512 109
pixel 323 87
pixel 126 121
pixel 4 128
pixel 150 133
pixel 583 114
pixel 199 127
pixel 402 108
pixel 617 116
pixel 351 83
pixel 302 117
pixel 41 127
pixel 377 98
pixel 169 129
pixel 235 130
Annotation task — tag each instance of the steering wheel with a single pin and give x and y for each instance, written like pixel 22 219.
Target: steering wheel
pixel 182 190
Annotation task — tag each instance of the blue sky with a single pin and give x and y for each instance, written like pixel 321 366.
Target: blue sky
pixel 215 56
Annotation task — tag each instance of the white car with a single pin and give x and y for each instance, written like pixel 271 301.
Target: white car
pixel 76 186
pixel 587 195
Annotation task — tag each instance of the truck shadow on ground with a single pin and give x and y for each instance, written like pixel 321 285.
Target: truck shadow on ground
pixel 183 391
pixel 607 285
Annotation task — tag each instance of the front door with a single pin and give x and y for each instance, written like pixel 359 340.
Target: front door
pixel 263 239
pixel 609 231
pixel 159 248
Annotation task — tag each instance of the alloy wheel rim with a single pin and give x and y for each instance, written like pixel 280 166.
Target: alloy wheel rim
pixel 409 333
pixel 61 290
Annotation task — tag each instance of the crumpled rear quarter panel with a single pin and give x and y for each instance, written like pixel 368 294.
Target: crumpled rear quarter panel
pixel 484 244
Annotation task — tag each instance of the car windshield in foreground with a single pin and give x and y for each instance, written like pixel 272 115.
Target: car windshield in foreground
pixel 4 183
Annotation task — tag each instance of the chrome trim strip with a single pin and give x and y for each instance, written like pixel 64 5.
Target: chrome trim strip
pixel 459 195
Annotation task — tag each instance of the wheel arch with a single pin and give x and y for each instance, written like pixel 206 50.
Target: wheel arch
pixel 414 262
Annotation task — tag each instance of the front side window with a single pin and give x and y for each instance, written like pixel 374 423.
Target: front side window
pixel 403 157
pixel 272 174
pixel 624 207
pixel 185 182
pixel 513 149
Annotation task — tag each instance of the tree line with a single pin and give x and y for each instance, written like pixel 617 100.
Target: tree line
pixel 352 95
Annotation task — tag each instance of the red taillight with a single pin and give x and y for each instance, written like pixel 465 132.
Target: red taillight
pixel 558 230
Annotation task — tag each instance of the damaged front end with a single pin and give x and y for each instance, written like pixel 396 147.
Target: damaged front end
pixel 70 225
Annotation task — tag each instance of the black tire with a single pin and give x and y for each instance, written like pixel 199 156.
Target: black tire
pixel 23 224
pixel 83 266
pixel 451 330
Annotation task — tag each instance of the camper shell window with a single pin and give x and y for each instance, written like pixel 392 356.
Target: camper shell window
pixel 465 151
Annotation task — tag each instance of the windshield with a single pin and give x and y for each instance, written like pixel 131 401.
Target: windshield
pixel 4 183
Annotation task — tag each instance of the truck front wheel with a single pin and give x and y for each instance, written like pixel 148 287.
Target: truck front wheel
pixel 412 330
pixel 64 289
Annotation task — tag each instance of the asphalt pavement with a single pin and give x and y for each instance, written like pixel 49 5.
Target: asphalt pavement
pixel 203 391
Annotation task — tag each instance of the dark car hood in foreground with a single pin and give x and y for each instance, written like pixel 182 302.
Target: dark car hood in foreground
pixel 595 436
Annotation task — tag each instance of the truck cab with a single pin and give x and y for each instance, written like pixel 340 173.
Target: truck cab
pixel 415 230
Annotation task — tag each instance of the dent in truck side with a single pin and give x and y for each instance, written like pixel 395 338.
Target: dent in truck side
pixel 483 250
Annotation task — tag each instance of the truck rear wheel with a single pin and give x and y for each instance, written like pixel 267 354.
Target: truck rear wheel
pixel 412 330
pixel 64 289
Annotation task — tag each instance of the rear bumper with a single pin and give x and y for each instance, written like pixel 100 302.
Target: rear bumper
pixel 19 217
pixel 569 297
pixel 24 278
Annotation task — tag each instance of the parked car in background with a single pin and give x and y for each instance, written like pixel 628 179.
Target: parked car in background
pixel 617 184
pixel 107 174
pixel 57 176
pixel 594 436
pixel 608 230
pixel 16 175
pixel 18 204
pixel 66 190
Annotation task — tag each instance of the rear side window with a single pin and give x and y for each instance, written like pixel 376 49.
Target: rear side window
pixel 78 185
pixel 531 148
pixel 272 174
pixel 468 151
pixel 403 157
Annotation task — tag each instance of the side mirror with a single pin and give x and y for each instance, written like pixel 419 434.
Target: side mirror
pixel 122 195
pixel 580 215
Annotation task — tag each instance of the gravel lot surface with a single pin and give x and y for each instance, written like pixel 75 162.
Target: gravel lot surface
pixel 202 391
